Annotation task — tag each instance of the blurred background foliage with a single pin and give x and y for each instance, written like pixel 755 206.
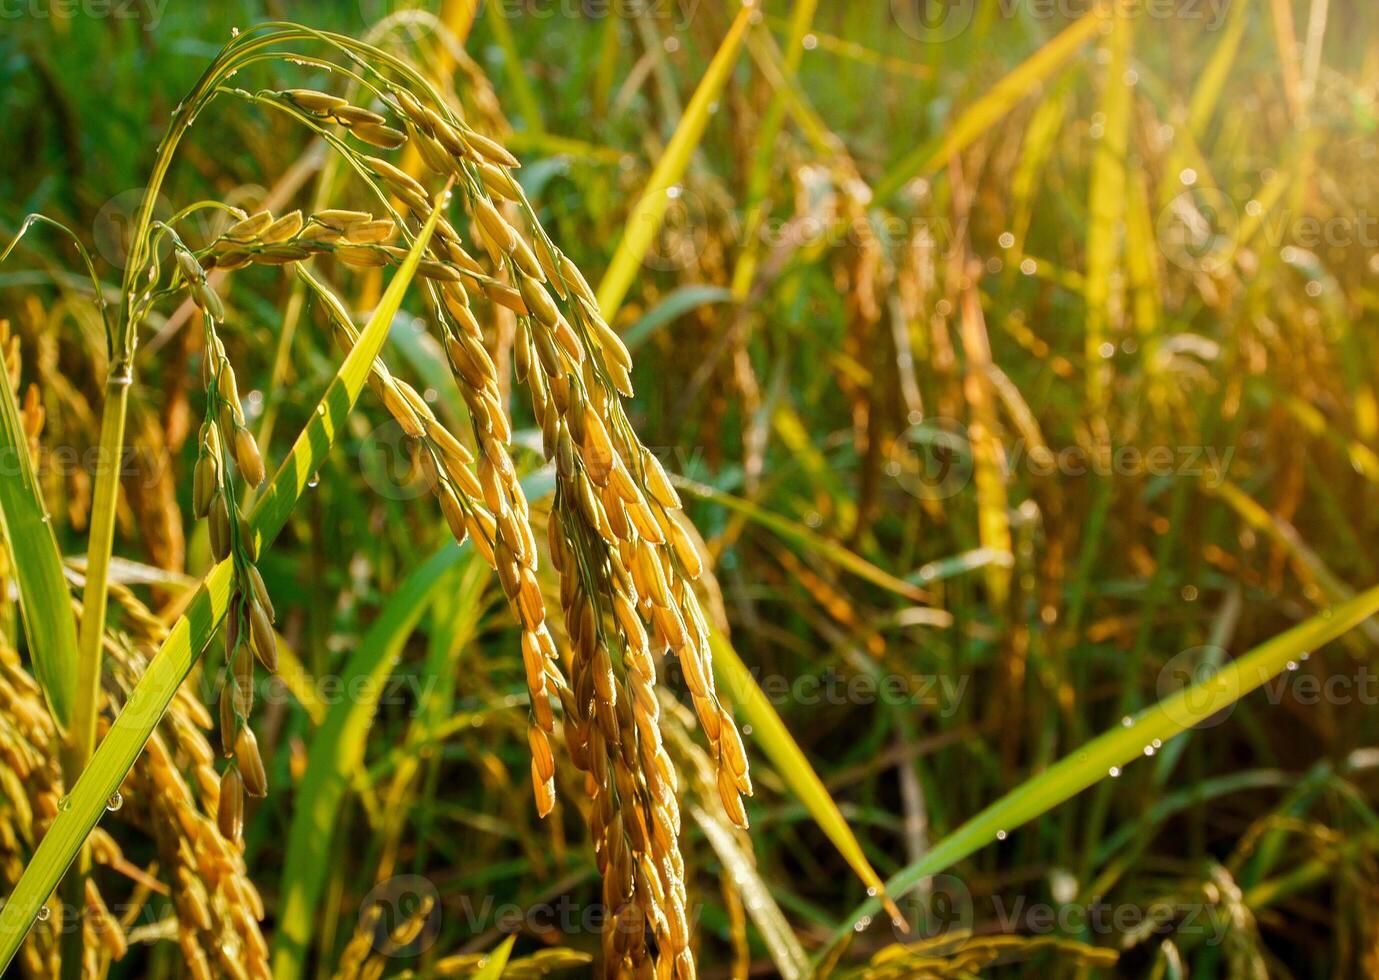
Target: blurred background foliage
pixel 1029 368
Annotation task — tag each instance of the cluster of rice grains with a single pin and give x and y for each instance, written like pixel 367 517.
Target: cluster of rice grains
pixel 168 794
pixel 626 562
pixel 218 908
pixel 249 621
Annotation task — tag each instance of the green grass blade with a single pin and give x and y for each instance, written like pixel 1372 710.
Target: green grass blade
pixel 337 751
pixel 82 807
pixel 803 537
pixel 676 304
pixel 43 598
pixel 992 106
pixel 1124 744
pixel 496 962
pixel 786 952
pixel 650 209
pixel 771 736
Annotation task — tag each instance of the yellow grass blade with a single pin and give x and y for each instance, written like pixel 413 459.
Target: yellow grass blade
pixel 771 736
pixel 992 106
pixel 1107 209
pixel 650 209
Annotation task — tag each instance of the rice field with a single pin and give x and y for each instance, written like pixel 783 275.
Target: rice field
pixel 672 488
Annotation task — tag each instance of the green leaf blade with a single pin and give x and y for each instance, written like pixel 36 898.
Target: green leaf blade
pixel 86 801
pixel 44 602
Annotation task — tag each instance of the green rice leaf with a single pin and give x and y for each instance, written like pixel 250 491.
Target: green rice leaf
pixel 82 808
pixel 43 598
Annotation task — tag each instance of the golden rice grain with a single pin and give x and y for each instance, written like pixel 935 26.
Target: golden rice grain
pixel 284 228
pixel 247 456
pixel 314 101
pixel 261 633
pixel 230 812
pixel 489 149
pixel 370 232
pixel 352 115
pixel 250 763
pixel 379 135
pixel 250 227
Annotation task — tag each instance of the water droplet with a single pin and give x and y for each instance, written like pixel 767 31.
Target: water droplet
pixel 1127 721
pixel 1149 750
pixel 1114 771
pixel 1304 655
pixel 871 891
pixel 314 481
pixel 1292 665
pixel 64 804
pixel 1000 835
pixel 115 802
pixel 43 913
pixel 1157 744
